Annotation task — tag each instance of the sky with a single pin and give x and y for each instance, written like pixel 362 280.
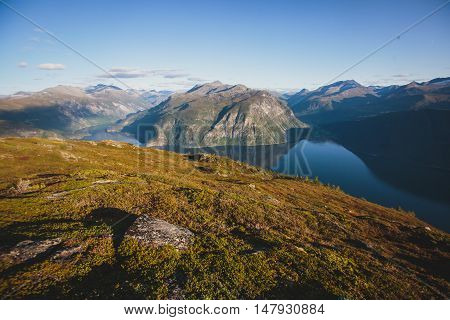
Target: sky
pixel 278 45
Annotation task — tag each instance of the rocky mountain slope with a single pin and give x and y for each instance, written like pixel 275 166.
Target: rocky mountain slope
pixel 82 220
pixel 324 97
pixel 348 100
pixel 216 114
pixel 63 109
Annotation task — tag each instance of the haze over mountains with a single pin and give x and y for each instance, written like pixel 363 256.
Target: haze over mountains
pixel 63 110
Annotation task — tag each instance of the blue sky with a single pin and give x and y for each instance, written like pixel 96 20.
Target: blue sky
pixel 262 44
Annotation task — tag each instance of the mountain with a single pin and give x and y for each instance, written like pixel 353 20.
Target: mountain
pixel 64 110
pixel 153 97
pixel 347 100
pixel 198 227
pixel 100 87
pixel 327 97
pixel 296 97
pixel 215 114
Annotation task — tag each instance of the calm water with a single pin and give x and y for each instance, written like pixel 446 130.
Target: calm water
pixel 426 191
pixel 103 135
pixel 334 164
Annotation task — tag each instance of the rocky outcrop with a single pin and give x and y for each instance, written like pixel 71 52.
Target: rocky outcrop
pixel 66 253
pixel 157 233
pixel 27 250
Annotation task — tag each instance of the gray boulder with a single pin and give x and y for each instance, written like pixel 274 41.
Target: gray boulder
pixel 157 233
pixel 27 250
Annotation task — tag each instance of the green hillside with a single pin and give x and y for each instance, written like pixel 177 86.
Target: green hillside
pixel 69 205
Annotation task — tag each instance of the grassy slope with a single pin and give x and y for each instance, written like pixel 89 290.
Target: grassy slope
pixel 258 234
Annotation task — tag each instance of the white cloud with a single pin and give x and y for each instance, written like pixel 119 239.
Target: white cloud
pixel 124 72
pixel 121 69
pixel 195 79
pixel 51 66
pixel 170 74
pixel 402 76
pixel 22 64
pixel 394 79
pixel 175 75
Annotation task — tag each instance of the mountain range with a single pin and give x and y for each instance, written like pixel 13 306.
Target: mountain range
pixel 64 110
pixel 210 114
pixel 349 100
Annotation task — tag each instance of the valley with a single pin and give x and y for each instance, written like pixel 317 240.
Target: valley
pixel 336 193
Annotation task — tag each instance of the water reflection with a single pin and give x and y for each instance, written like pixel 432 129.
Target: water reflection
pixel 265 156
pixel 414 187
pixel 388 183
pixel 382 182
pixel 115 136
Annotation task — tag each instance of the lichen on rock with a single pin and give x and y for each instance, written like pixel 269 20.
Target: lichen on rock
pixel 158 233
pixel 27 250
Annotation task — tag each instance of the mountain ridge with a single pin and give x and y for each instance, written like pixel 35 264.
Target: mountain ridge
pixel 346 100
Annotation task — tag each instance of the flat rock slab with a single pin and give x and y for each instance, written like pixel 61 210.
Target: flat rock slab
pixel 158 233
pixel 28 249
pixel 67 253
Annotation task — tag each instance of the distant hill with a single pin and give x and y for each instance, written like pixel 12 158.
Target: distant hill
pixel 215 114
pixel 63 110
pixel 347 100
pixel 101 87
